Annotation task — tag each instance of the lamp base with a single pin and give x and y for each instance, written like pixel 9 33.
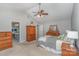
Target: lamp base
pixel 72 45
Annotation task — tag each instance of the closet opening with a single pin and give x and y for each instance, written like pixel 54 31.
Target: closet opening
pixel 15 32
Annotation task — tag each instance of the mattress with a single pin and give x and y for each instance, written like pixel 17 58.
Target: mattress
pixel 51 50
pixel 49 43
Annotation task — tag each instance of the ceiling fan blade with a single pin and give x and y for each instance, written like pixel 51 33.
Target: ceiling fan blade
pixel 35 15
pixel 44 13
pixel 41 11
pixel 34 12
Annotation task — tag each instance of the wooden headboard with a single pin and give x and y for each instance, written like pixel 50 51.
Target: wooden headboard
pixel 53 30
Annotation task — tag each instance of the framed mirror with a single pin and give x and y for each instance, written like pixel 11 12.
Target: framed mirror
pixel 53 28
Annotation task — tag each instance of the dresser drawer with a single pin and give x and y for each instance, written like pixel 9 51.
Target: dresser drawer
pixel 31 32
pixel 1 38
pixel 29 39
pixel 6 46
pixel 5 40
pixel 2 34
pixel 32 36
pixel 8 33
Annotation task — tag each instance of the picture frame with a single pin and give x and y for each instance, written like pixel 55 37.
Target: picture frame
pixel 53 28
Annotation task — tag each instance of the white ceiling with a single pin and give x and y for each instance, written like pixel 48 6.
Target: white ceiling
pixel 17 6
pixel 55 10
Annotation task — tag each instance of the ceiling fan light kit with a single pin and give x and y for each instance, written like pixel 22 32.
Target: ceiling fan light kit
pixel 40 12
pixel 38 16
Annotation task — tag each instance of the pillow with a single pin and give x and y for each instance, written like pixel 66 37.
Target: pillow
pixel 62 37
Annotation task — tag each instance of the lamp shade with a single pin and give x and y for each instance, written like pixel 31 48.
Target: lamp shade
pixel 38 16
pixel 72 34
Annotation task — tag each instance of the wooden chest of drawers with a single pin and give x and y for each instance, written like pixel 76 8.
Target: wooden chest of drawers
pixel 5 40
pixel 31 33
pixel 67 50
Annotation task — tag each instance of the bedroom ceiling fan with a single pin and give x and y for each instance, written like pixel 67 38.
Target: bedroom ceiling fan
pixel 40 12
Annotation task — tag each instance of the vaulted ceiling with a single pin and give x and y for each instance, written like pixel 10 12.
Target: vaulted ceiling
pixel 55 10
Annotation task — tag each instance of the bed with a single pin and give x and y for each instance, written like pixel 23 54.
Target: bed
pixel 49 43
pixel 49 40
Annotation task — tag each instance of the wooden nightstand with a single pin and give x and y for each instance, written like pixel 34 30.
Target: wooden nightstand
pixel 67 50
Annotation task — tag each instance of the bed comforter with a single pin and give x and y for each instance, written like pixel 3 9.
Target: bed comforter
pixel 49 43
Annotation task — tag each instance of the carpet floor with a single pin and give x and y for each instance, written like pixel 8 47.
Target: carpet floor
pixel 25 49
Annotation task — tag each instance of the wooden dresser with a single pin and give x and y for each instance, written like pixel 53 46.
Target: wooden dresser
pixel 31 33
pixel 67 50
pixel 5 40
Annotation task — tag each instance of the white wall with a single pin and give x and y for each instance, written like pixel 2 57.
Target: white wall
pixel 63 25
pixel 75 17
pixel 8 16
pixel 59 14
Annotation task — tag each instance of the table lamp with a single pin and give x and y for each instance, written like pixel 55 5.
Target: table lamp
pixel 72 36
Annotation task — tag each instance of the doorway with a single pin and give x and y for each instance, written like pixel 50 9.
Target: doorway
pixel 15 32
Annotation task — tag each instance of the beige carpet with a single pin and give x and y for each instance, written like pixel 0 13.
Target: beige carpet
pixel 25 49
